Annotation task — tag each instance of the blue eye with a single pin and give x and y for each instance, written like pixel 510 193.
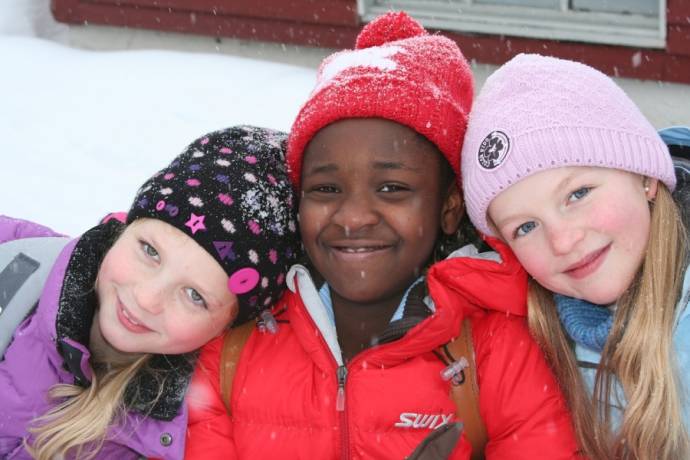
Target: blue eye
pixel 579 194
pixel 525 228
pixel 149 250
pixel 195 297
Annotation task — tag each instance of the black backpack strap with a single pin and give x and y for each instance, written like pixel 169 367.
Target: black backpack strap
pixel 678 140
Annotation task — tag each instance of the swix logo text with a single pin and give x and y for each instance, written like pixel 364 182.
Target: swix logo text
pixel 430 421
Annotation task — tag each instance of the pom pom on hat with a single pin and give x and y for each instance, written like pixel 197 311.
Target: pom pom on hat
pixel 389 27
pixel 397 72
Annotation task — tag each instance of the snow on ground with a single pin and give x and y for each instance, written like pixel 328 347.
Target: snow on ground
pixel 81 130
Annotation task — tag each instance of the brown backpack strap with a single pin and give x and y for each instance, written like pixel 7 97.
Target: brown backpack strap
pixel 466 395
pixel 233 342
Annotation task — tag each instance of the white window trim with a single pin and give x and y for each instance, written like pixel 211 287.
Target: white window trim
pixel 588 27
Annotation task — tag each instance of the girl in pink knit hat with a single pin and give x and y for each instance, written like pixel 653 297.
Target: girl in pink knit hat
pixel 560 164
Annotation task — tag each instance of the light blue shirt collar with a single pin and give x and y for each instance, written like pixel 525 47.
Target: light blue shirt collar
pixel 325 295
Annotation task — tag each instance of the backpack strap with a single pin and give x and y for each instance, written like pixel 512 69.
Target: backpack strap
pixel 24 268
pixel 466 394
pixel 233 343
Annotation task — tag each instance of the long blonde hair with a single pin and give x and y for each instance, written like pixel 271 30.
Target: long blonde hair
pixel 79 423
pixel 638 353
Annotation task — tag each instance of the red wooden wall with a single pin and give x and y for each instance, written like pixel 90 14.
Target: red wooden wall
pixel 335 23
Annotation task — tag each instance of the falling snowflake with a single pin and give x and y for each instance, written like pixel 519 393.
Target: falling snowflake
pixel 637 59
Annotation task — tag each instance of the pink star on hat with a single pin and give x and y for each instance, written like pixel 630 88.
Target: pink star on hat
pixel 196 223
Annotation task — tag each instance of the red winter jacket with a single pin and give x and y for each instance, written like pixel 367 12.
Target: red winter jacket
pixel 285 388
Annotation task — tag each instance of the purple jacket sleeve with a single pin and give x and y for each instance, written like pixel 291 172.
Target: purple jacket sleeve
pixel 15 229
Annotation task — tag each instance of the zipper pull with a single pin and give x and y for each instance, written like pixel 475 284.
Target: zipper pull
pixel 455 371
pixel 340 399
pixel 268 322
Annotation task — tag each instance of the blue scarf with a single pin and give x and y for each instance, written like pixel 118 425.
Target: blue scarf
pixel 586 323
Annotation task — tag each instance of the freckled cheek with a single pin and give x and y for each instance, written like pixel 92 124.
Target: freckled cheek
pixel 628 227
pixel 115 268
pixel 189 334
pixel 535 265
pixel 607 219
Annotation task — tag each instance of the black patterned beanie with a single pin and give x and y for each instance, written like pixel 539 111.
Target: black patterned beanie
pixel 229 192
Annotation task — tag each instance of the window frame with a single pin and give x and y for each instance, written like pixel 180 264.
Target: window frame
pixel 530 22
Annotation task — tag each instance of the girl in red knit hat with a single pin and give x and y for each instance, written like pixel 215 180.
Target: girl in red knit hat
pixel 363 362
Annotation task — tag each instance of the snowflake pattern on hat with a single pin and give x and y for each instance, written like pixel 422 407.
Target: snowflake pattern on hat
pixel 230 193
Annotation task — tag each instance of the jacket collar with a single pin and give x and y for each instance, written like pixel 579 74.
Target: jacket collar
pixel 465 284
pixel 480 282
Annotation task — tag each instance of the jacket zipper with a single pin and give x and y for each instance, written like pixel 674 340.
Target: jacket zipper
pixel 341 374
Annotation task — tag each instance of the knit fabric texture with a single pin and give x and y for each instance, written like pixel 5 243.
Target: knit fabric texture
pixel 586 323
pixel 398 72
pixel 230 193
pixel 536 112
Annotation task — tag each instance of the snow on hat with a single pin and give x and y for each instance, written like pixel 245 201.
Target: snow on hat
pixel 536 113
pixel 230 193
pixel 399 72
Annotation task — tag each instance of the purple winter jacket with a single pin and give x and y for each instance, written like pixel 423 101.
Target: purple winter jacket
pixel 49 347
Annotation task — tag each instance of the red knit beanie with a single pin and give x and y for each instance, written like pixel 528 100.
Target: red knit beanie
pixel 399 72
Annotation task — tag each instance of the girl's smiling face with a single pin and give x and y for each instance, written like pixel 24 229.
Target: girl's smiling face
pixel 578 231
pixel 160 292
pixel 373 202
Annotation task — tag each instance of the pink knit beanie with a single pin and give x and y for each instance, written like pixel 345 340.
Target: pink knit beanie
pixel 536 113
pixel 399 72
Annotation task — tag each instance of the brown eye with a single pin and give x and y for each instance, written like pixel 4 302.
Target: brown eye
pixel 392 188
pixel 325 189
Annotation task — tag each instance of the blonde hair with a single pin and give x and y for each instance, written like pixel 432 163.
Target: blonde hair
pixel 79 423
pixel 638 353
